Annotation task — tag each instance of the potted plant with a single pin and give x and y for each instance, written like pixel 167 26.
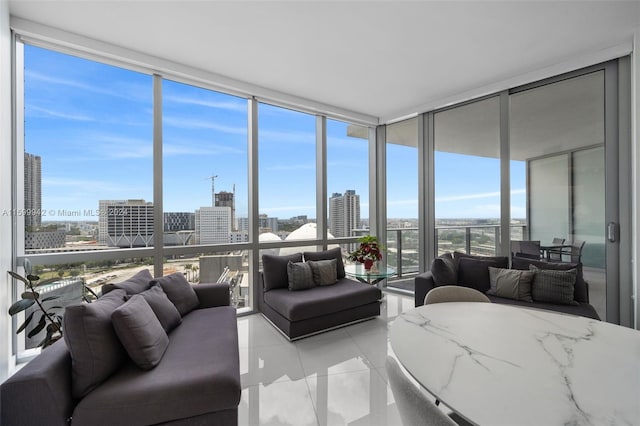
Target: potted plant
pixel 369 252
pixel 49 315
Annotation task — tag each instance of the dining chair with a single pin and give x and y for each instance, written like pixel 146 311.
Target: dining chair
pixel 576 251
pixel 555 255
pixel 454 293
pixel 414 406
pixel 529 249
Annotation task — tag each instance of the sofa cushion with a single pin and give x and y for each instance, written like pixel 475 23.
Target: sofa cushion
pixel 580 291
pixel 300 276
pixel 274 270
pixel 179 292
pixel 162 307
pixel 140 332
pixel 501 260
pixel 319 301
pixel 444 271
pixel 553 286
pixel 324 272
pixel 334 253
pixel 95 350
pixel 198 374
pixel 134 285
pixel 474 272
pixel 511 283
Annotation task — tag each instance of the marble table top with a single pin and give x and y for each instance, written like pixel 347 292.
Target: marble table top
pixel 502 365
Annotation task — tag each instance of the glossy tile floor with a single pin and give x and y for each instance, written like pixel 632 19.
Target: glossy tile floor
pixel 334 378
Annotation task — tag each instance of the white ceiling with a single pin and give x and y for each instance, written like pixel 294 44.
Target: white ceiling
pixel 380 58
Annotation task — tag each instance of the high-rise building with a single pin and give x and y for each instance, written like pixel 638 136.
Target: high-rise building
pixel 265 223
pixel 179 221
pixel 344 213
pixel 32 190
pixel 125 223
pixel 227 199
pixel 213 225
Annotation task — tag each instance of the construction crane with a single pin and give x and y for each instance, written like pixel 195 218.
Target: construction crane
pixel 213 189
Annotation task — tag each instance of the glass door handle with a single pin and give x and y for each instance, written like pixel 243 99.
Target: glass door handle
pixel 612 232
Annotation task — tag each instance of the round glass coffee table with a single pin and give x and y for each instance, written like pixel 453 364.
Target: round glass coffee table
pixel 373 276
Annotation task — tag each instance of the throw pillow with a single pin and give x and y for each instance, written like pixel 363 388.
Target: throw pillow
pixel 474 273
pixel 553 286
pixel 444 271
pixel 324 271
pixel 300 276
pixel 134 285
pixel 166 311
pixel 179 292
pixel 274 270
pixel 580 289
pixel 140 332
pixel 511 283
pixel 334 253
pixel 95 350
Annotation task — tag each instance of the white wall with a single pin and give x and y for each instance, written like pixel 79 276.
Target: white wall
pixel 6 359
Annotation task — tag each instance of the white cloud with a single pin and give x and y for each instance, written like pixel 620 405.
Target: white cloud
pixel 228 105
pixel 476 196
pixel 44 112
pixel 184 123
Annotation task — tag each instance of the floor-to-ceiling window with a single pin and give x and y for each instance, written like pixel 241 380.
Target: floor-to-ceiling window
pixel 402 202
pixel 557 144
pixel 205 185
pixel 86 180
pixel 467 178
pixel 347 181
pixel 287 175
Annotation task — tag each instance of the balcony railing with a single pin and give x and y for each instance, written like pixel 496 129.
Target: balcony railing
pixel 403 246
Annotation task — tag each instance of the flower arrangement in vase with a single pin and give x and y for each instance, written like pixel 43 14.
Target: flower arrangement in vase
pixel 369 252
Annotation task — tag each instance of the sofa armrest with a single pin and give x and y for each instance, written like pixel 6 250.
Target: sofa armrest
pixel 212 295
pixel 423 284
pixel 40 393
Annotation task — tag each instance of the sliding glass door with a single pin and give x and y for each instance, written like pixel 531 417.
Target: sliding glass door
pixel 558 146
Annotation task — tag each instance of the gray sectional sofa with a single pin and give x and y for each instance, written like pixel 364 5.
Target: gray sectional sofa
pixel 301 312
pixel 473 271
pixel 194 377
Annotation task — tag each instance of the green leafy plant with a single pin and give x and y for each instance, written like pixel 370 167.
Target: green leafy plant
pixel 49 317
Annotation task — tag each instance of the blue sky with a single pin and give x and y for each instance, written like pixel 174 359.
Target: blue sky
pixel 92 125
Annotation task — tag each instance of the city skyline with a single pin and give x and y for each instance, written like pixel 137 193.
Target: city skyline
pixel 92 126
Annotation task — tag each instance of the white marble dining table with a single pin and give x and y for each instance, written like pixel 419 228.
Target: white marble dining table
pixel 497 365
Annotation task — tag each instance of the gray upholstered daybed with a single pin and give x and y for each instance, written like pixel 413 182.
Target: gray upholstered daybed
pixel 313 308
pixel 188 375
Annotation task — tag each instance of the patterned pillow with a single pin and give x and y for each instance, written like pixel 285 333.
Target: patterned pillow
pixel 300 276
pixel 553 286
pixel 324 272
pixel 511 284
